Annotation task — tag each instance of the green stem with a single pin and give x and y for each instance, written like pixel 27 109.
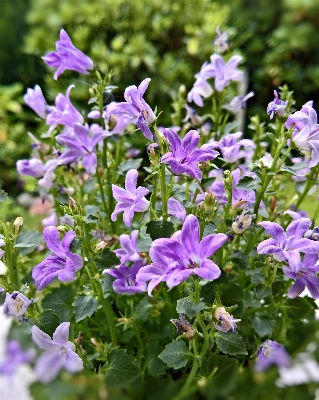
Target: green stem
pixel 12 273
pixel 102 192
pixel 164 194
pixel 310 182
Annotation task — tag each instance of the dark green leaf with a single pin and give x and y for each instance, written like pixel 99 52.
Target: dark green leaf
pixel 176 354
pixel 107 259
pixel 155 366
pixel 248 183
pixel 130 164
pixel 91 219
pixel 297 308
pixel 84 306
pixel 48 322
pixel 3 196
pixel 189 308
pixel 262 291
pixel 89 185
pixel 142 309
pixel 160 229
pixel 257 278
pixel 263 327
pixel 29 237
pixel 60 301
pixel 230 343
pixel 209 229
pixel 239 259
pixel 121 368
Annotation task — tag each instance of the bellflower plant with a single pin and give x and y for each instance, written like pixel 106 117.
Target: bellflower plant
pixel 16 305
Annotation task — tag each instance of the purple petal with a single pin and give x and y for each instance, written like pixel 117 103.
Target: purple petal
pixel 61 334
pixel 48 365
pixel 42 339
pixel 52 239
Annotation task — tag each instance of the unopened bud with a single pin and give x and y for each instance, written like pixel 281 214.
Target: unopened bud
pixel 72 202
pixel 100 246
pixel 17 223
pixel 209 202
pixel 273 203
pixel 62 228
pixel 112 122
pixel 122 320
pixel 182 89
pixel 154 158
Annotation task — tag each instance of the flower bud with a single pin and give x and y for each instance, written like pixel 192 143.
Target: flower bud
pixel 17 223
pixel 100 246
pixel 243 222
pixel 16 304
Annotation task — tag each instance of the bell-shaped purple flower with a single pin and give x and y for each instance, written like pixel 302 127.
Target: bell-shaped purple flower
pixel 33 167
pixel 67 57
pixel 16 305
pixel 201 88
pixel 184 156
pixel 221 41
pixel 277 106
pixel 125 282
pixel 131 199
pixel 59 353
pixel 15 356
pixel 137 108
pixel 176 209
pixel 129 251
pixel 239 102
pixel 224 72
pixel 34 99
pixel 271 353
pixel 64 264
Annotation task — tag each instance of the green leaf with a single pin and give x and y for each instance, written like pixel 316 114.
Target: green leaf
pixel 130 164
pixel 262 291
pixel 89 185
pixel 263 327
pixel 106 259
pixel 3 196
pixel 188 307
pixel 230 343
pixel 84 306
pixel 121 368
pixel 27 237
pixel 48 322
pixel 239 259
pixel 142 309
pixel 297 308
pixel 176 354
pixel 160 229
pixel 257 278
pixel 155 365
pixel 223 381
pixel 88 219
pixel 248 183
pixel 60 301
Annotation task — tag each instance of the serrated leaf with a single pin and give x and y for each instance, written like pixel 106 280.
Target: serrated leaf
pixel 297 308
pixel 262 291
pixel 84 306
pixel 248 183
pixel 155 365
pixel 106 259
pixel 142 309
pixel 60 301
pixel 189 308
pixel 230 343
pixel 239 259
pixel 160 229
pixel 48 322
pixel 3 196
pixel 263 327
pixel 176 354
pixel 121 368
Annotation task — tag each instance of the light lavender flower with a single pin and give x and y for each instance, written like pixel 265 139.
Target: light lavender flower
pixel 59 353
pixel 33 167
pixel 52 220
pixel 125 282
pixel 192 115
pixel 129 251
pixel 34 99
pixel 15 356
pixel 221 41
pixel 239 102
pixel 67 57
pixel 16 305
pixel 201 89
pixel 271 353
pixel 277 106
pixel 227 321
pixel 129 200
pixel 64 264
pixel 184 156
pixel 224 72
pixel 176 209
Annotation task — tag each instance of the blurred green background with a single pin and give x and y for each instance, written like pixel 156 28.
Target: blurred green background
pixel 162 39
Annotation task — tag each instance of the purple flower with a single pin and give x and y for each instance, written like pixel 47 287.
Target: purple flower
pixel 63 264
pixel 305 274
pixel 125 282
pixel 271 353
pixel 277 106
pixel 286 245
pixel 49 175
pixel 67 57
pixel 137 108
pixel 221 41
pixel 184 155
pixel 129 251
pixel 81 145
pixel 239 102
pixel 33 167
pixel 50 220
pixel 227 321
pixel 2 243
pixel 230 146
pixel 60 353
pixel 201 88
pixel 192 115
pixel 302 118
pixel 129 200
pixel 183 255
pixel 16 304
pixel 176 209
pixel 15 356
pixel 64 113
pixel 34 99
pixel 223 72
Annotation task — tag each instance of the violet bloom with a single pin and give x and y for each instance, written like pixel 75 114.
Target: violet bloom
pixel 64 113
pixel 229 146
pixel 33 167
pixel 176 209
pixel 300 119
pixel 59 353
pixel 50 220
pixel 67 57
pixel 137 108
pixel 192 115
pixel 221 41
pixel 184 155
pixel 129 251
pixel 227 321
pixel 271 353
pixel 15 356
pixel 34 99
pixel 184 255
pixel 239 102
pixel 200 89
pixel 63 264
pixel 16 305
pixel 286 245
pixel 305 274
pixel 223 72
pixel 81 145
pixel 125 282
pixel 129 200
pixel 277 106
pixel 49 175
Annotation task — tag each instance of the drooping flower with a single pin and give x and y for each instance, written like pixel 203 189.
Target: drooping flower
pixel 184 156
pixel 64 264
pixel 129 251
pixel 15 356
pixel 34 99
pixel 176 209
pixel 125 282
pixel 64 112
pixel 286 245
pixel 67 57
pixel 201 88
pixel 271 353
pixel 137 108
pixel 224 72
pixel 277 106
pixel 59 353
pixel 183 326
pixel 16 305
pixel 81 145
pixel 227 321
pixel 183 255
pixel 243 222
pixel 129 200
pixel 304 272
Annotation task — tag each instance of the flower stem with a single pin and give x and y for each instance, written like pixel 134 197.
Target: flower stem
pixel 164 193
pixel 12 273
